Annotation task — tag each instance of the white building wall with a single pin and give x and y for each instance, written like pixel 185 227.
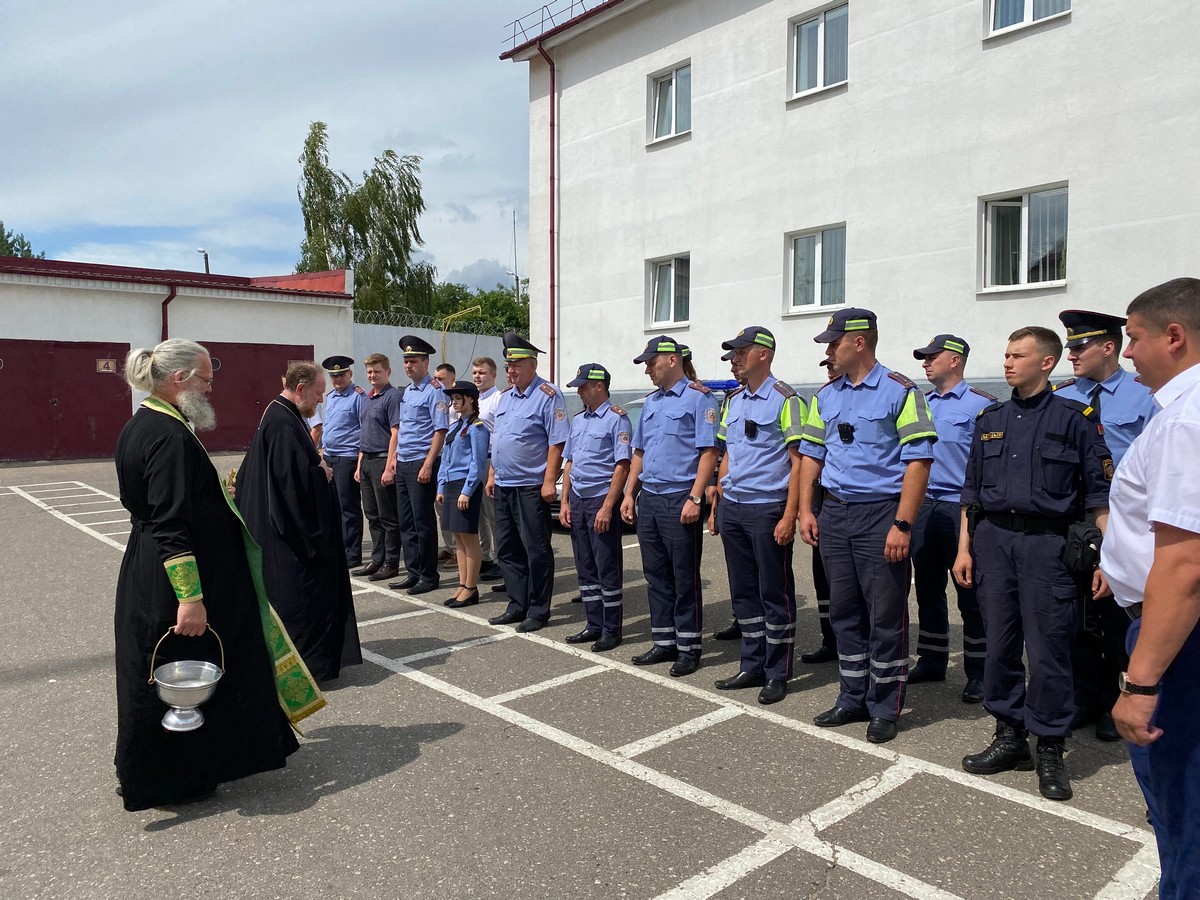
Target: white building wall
pixel 935 116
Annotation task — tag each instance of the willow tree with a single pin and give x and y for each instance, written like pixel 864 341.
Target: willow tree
pixel 370 227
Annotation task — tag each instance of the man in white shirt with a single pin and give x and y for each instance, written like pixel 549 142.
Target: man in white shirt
pixel 1151 558
pixel 483 373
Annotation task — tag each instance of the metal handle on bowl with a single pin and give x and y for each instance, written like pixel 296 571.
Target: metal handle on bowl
pixel 171 631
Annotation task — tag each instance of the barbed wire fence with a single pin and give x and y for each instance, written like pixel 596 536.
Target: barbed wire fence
pixel 399 319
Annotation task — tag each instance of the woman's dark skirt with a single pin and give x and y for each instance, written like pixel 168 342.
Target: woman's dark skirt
pixel 456 520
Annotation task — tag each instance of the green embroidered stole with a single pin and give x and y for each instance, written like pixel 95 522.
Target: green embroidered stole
pixel 294 685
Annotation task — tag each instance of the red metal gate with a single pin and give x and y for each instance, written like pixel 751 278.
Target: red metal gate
pixel 65 399
pixel 246 377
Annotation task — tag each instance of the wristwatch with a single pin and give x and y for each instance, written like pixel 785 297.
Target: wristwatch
pixel 696 498
pixel 1125 686
pixel 903 526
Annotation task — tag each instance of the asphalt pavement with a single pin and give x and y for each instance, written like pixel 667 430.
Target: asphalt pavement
pixel 465 760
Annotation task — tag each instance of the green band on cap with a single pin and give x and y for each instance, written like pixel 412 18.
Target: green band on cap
pixel 668 347
pixel 765 340
pixel 955 346
pixel 597 374
pixel 858 325
pixel 519 353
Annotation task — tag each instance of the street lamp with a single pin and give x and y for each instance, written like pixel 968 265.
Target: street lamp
pixel 204 253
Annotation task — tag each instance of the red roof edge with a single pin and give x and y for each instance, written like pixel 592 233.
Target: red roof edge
pixel 559 29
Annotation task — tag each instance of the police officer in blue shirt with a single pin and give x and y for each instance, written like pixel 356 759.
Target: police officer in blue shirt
pixel 1029 458
pixel 869 440
pixel 1125 406
pixel 527 446
pixel 598 454
pixel 759 496
pixel 423 426
pixel 674 456
pixel 343 404
pixel 954 405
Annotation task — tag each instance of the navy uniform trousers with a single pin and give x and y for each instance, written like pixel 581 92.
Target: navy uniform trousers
pixel 821 588
pixel 379 504
pixel 761 584
pixel 671 553
pixel 599 564
pixel 1027 598
pixel 418 522
pixel 1168 770
pixel 350 497
pixel 868 605
pixel 523 550
pixel 934 548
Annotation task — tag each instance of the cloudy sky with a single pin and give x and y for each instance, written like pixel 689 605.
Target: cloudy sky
pixel 134 131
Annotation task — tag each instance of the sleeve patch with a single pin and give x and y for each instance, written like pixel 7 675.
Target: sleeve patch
pixel 624 437
pixel 559 415
pixel 710 415
pixel 1109 469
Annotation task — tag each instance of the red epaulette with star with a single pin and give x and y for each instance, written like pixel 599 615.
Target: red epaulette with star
pixel 984 394
pixel 903 380
pixel 616 409
pixel 358 390
pixel 784 388
pixel 548 390
pixel 699 386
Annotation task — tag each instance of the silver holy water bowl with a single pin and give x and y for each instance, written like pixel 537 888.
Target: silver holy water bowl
pixel 184 685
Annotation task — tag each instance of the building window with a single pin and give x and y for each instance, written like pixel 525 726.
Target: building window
pixel 818 268
pixel 670 281
pixel 672 103
pixel 820 47
pixel 1026 238
pixel 1012 13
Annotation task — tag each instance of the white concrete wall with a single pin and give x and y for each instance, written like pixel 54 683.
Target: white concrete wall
pixel 934 117
pixel 460 349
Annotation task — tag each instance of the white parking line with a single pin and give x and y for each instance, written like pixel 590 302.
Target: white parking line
pixel 411 614
pixel 49 486
pixel 548 684
pixel 67 496
pixel 1136 878
pixel 451 648
pixel 666 736
pixel 111 521
pixel 82 503
pixel 64 517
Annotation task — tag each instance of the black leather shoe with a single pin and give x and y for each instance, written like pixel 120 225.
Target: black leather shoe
pixel 423 586
pixel 773 691
pixel 470 600
pixel 838 716
pixel 822 654
pixel 732 633
pixel 508 618
pixel 531 625
pixel 577 599
pixel 405 583
pixel 1008 750
pixel 490 575
pixel 583 637
pixel 606 642
pixel 973 692
pixel 880 731
pixel 685 665
pixel 1106 729
pixel 384 572
pixel 656 655
pixel 499 588
pixel 921 673
pixel 739 681
pixel 369 569
pixel 1052 770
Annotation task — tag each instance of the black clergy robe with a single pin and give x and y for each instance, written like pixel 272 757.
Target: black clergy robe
pixel 292 510
pixel 177 506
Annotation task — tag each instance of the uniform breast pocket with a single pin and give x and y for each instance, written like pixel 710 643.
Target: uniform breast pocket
pixel 874 428
pixel 1059 463
pixel 596 443
pixel 955 427
pixel 678 422
pixel 993 470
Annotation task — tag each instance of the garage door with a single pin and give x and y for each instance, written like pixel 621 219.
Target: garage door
pixel 246 377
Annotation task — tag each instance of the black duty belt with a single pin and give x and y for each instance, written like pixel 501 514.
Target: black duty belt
pixel 378 455
pixel 1134 611
pixel 1028 524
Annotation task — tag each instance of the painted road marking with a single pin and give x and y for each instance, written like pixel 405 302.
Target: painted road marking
pixel 667 735
pixel 548 684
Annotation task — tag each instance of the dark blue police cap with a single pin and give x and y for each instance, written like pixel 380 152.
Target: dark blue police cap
pixel 1084 325
pixel 950 342
pixel 415 346
pixel 335 365
pixel 846 321
pixel 590 372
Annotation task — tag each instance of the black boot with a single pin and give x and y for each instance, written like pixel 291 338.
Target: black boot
pixel 1052 770
pixel 1009 750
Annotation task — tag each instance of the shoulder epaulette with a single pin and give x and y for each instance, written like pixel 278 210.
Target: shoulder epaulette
pixel 931 392
pixel 699 386
pixel 548 390
pixel 988 409
pixel 1063 384
pixel 784 388
pixel 984 394
pixel 736 390
pixel 829 382
pixel 1083 409
pixel 903 380
pixel 358 390
pixel 616 409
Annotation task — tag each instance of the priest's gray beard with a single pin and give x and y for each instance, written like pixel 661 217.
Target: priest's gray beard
pixel 198 410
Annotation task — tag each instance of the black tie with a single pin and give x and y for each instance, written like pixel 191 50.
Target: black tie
pixel 1094 400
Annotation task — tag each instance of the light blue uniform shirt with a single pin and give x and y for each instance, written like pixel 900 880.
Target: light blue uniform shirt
pixel 527 425
pixel 342 427
pixel 1125 407
pixel 892 427
pixel 675 426
pixel 599 440
pixel 954 414
pixel 422 412
pixel 760 466
pixel 464 456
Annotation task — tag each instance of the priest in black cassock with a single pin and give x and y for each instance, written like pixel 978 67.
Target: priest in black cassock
pixel 285 493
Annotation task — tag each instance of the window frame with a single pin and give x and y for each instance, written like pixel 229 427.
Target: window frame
pixel 790 307
pixel 1011 200
pixel 1027 19
pixel 653 267
pixel 656 81
pixel 794 25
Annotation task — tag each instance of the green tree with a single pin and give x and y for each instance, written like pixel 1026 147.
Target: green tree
pixel 13 244
pixel 369 227
pixel 499 308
